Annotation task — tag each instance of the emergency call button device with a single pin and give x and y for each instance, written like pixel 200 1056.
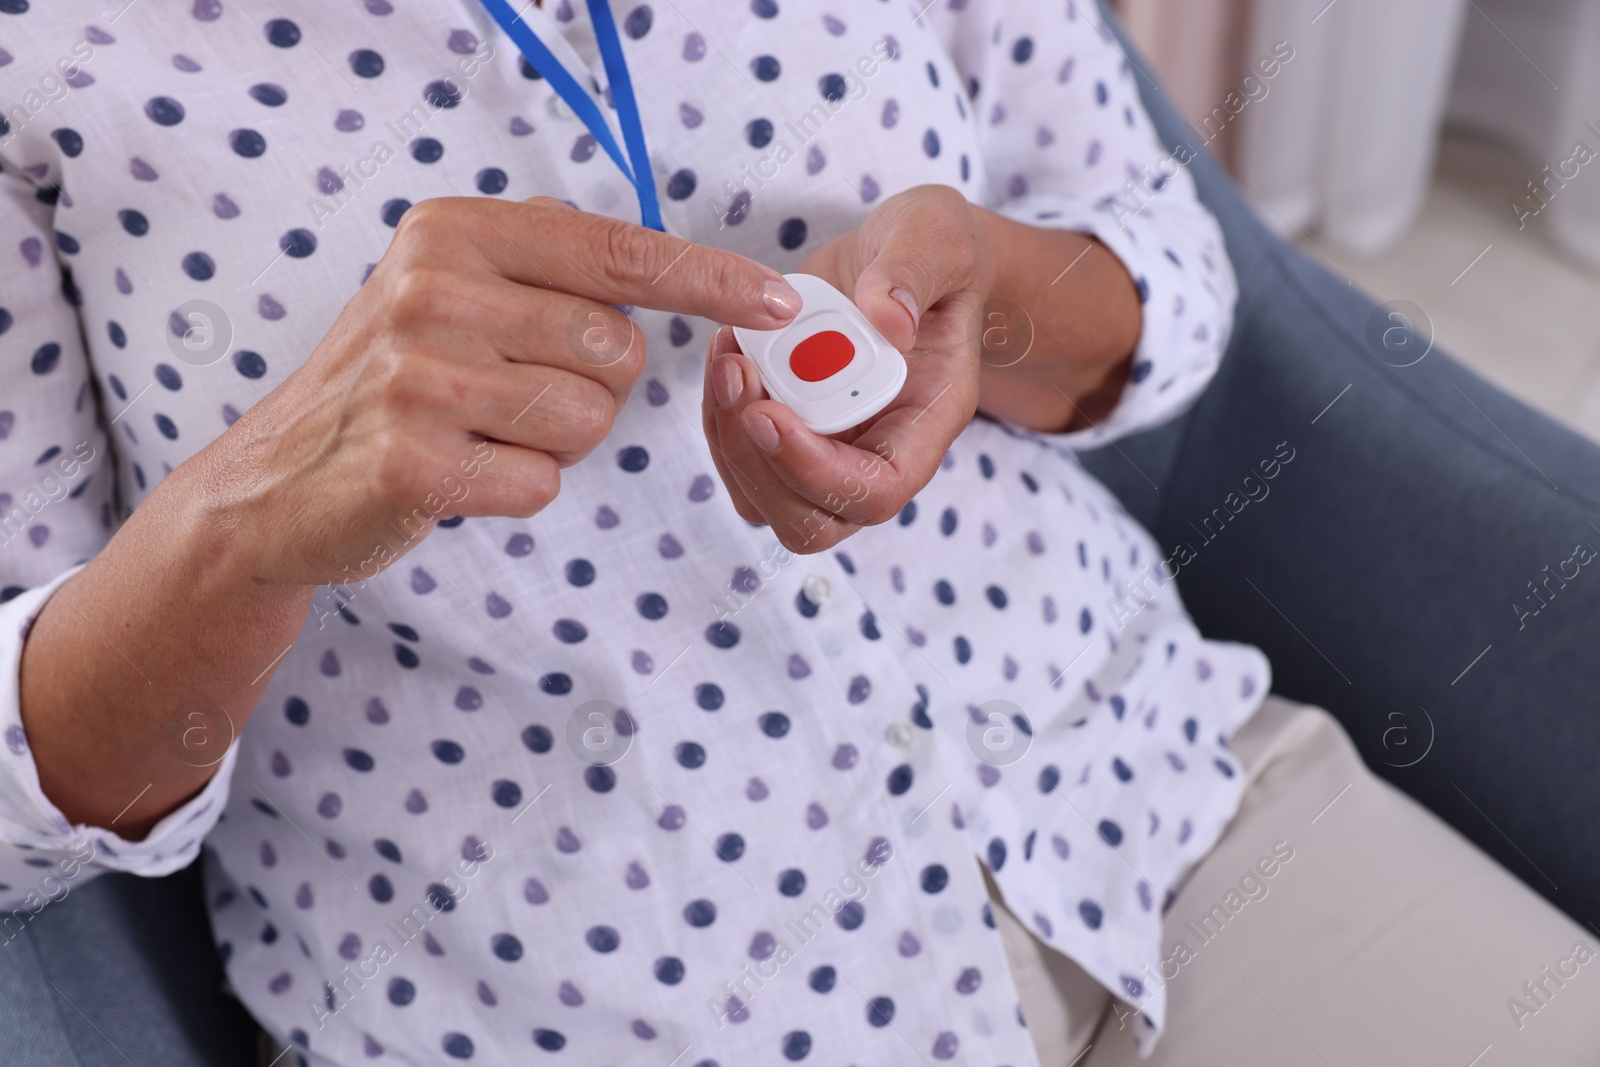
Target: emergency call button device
pixel 829 365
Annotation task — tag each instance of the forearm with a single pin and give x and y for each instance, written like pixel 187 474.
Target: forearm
pixel 141 670
pixel 1066 300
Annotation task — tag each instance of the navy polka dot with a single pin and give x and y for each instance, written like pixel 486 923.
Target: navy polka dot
pixel 638 21
pixel 199 266
pixel 250 364
pixel 491 181
pixel 792 234
pixel 269 95
pixel 164 111
pixel 283 33
pixel 681 185
pixel 247 143
pixel 68 140
pixel 366 63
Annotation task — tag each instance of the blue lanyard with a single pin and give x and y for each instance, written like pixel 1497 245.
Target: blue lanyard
pixel 583 105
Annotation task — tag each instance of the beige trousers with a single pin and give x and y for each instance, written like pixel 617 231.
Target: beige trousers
pixel 1386 938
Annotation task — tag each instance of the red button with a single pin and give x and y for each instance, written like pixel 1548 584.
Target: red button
pixel 821 356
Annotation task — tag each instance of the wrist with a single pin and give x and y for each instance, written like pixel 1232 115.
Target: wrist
pixel 1059 328
pixel 219 535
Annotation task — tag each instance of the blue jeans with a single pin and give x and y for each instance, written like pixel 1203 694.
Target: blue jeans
pixel 1385 570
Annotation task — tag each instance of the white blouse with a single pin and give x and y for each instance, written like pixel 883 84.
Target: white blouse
pixel 625 782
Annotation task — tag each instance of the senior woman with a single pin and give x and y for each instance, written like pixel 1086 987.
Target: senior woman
pixel 369 534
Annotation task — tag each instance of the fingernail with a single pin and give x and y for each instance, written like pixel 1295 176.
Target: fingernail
pixel 727 380
pixel 781 299
pixel 908 302
pixel 761 430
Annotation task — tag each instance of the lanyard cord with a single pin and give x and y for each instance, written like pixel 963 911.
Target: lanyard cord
pixel 566 86
pixel 644 181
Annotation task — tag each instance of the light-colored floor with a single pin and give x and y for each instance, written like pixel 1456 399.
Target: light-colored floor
pixel 1525 315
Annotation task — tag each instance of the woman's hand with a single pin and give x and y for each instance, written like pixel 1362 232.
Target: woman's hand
pixel 937 276
pixel 481 357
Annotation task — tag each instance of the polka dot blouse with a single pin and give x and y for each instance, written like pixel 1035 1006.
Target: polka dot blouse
pixel 626 782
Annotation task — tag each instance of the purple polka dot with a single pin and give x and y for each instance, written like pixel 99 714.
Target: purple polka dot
pixel 763 945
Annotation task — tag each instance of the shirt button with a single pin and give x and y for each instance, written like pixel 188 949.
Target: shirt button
pixel 816 589
pixel 898 734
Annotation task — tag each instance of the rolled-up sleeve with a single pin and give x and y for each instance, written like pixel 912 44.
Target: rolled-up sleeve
pixel 57 509
pixel 1067 144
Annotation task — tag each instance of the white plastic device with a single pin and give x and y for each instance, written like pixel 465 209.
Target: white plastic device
pixel 829 365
